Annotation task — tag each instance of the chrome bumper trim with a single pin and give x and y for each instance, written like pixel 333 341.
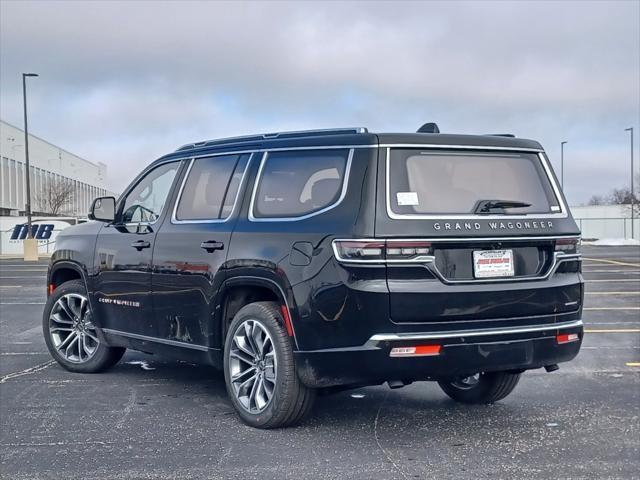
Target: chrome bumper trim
pixel 392 337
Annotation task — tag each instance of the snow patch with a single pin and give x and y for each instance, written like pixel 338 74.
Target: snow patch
pixel 143 364
pixel 357 395
pixel 613 242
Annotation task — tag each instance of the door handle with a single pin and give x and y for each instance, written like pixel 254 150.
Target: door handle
pixel 212 245
pixel 140 244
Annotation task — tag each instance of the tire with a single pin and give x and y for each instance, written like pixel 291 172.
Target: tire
pixel 249 376
pixel 70 334
pixel 480 388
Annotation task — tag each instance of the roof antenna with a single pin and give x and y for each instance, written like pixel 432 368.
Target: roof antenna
pixel 429 128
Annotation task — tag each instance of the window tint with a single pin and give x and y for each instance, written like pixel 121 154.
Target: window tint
pixel 454 183
pixel 293 184
pixel 145 201
pixel 211 187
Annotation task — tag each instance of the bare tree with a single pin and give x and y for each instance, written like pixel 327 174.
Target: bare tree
pixel 597 200
pixel 622 196
pixel 55 197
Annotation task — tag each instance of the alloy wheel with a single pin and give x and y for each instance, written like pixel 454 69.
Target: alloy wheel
pixel 71 328
pixel 252 366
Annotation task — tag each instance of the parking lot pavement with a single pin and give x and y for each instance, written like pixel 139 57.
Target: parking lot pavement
pixel 154 418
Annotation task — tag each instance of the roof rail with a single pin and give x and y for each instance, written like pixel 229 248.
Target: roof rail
pixel 510 135
pixel 270 136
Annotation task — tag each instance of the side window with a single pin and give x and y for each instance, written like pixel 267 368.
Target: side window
pixel 294 184
pixel 211 187
pixel 146 200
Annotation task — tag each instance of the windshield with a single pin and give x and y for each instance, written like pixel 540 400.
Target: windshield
pixel 431 183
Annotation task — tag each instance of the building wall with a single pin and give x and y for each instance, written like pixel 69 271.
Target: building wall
pixel 49 163
pixel 606 221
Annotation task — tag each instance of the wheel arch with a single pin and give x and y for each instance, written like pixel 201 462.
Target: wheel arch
pixel 241 290
pixel 64 271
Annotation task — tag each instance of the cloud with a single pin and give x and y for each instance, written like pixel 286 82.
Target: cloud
pixel 123 82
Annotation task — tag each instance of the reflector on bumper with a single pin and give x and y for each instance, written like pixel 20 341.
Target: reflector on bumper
pixel 416 351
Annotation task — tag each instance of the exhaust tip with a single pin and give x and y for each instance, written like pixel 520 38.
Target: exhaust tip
pixel 552 368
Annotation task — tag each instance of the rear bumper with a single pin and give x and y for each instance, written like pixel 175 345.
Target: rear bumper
pixel 462 352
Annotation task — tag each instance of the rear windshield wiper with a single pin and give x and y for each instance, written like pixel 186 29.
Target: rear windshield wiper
pixel 488 206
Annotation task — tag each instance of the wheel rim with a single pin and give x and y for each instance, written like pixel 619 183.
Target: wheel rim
pixel 466 383
pixel 252 366
pixel 71 329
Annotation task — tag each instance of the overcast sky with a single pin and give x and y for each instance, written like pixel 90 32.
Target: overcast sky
pixel 125 82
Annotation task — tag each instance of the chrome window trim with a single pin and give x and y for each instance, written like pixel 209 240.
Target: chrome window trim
pixel 391 337
pixel 174 215
pixel 563 213
pixel 343 193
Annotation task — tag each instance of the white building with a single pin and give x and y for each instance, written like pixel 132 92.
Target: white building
pixel 50 166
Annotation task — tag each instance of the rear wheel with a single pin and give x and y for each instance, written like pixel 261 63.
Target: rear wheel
pixel 70 334
pixel 481 387
pixel 259 369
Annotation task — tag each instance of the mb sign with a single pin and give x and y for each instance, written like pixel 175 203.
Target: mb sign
pixel 42 231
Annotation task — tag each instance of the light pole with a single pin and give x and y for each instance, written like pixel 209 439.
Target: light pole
pixel 29 244
pixel 562 164
pixel 633 197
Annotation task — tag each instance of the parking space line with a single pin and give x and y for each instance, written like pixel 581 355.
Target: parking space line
pixel 612 293
pixel 613 262
pixel 22 303
pixel 23 276
pixel 27 371
pixel 11 354
pixel 612 330
pixel 632 364
pixel 610 308
pixel 613 280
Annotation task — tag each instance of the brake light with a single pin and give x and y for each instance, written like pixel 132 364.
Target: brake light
pixel 379 251
pixel 568 245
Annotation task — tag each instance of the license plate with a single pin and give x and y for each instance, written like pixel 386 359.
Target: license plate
pixel 493 263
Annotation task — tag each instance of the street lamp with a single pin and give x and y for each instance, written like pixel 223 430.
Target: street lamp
pixel 30 246
pixel 562 164
pixel 633 197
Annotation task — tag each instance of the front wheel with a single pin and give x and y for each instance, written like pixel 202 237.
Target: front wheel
pixel 260 372
pixel 70 334
pixel 480 388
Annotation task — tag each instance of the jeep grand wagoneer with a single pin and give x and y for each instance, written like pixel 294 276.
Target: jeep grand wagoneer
pixel 320 260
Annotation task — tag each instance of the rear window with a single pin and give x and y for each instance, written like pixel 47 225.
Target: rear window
pixel 432 183
pixel 299 183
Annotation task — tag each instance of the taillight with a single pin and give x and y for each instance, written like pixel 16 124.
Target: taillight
pixel 359 250
pixel 407 250
pixel 381 251
pixel 568 245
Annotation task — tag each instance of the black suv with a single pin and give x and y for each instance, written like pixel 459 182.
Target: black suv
pixel 322 260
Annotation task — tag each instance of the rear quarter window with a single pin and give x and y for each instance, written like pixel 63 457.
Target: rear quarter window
pixel 299 183
pixel 432 183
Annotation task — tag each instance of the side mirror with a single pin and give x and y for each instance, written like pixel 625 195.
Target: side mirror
pixel 103 209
